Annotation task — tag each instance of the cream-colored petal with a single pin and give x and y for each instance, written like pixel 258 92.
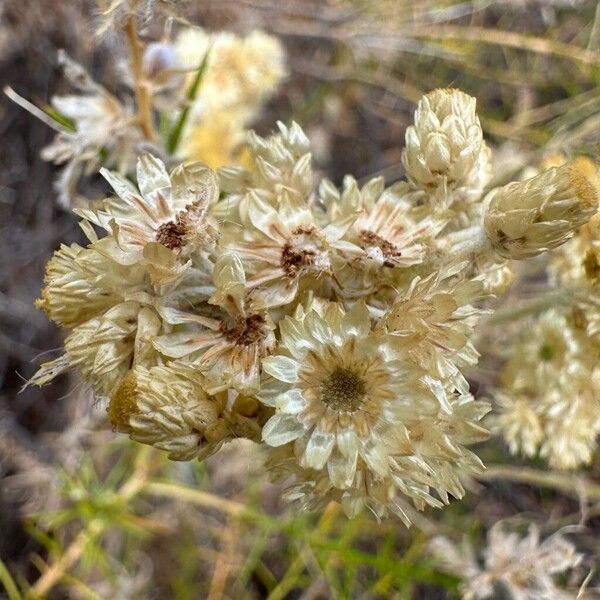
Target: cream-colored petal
pixel 282 368
pixel 347 442
pixel 177 345
pixel 341 470
pixel 151 174
pixel 376 457
pixel 281 429
pixel 318 449
pixel 292 402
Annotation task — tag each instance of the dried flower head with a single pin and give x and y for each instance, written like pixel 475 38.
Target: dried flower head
pixel 525 568
pixel 526 218
pixel 550 401
pixel 355 414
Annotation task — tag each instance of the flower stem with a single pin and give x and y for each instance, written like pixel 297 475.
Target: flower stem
pixel 531 307
pixel 572 485
pixel 142 93
pixel 469 242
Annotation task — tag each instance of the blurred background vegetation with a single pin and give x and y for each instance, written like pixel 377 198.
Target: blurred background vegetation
pixel 84 513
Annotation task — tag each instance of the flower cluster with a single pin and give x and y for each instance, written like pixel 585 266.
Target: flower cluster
pixel 523 568
pixel 549 397
pixel 240 74
pixel 332 325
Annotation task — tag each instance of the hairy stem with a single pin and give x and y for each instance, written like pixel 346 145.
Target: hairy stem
pixel 474 242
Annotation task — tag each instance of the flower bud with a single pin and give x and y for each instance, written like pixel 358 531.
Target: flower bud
pixel 445 147
pixel 526 218
pixel 159 58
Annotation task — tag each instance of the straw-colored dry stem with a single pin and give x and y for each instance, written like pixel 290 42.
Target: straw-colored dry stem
pixel 142 93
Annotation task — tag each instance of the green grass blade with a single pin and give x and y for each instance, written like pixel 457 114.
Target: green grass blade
pixel 9 583
pixel 175 135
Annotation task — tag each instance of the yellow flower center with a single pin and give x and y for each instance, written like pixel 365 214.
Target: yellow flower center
pixel 343 390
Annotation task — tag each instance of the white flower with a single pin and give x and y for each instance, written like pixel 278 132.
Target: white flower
pixel 383 228
pixel 226 349
pixel 519 422
pixel 285 248
pixel 550 354
pixel 278 166
pixel 337 394
pixel 432 321
pixel 164 222
pixel 366 422
pixel 102 125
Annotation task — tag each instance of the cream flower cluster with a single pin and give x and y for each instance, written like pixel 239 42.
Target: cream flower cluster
pixel 240 75
pixel 514 566
pixel 549 398
pixel 330 324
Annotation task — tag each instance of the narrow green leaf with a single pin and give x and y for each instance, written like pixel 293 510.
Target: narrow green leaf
pixel 175 135
pixel 8 582
pixel 61 119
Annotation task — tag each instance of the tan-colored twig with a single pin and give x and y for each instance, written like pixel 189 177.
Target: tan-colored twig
pixel 226 560
pixel 533 306
pixel 143 97
pixel 571 485
pixel 510 39
pixel 184 494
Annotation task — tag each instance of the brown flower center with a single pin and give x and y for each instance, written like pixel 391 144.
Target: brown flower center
pixel 171 234
pixel 389 250
pixel 343 390
pixel 302 251
pixel 245 331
